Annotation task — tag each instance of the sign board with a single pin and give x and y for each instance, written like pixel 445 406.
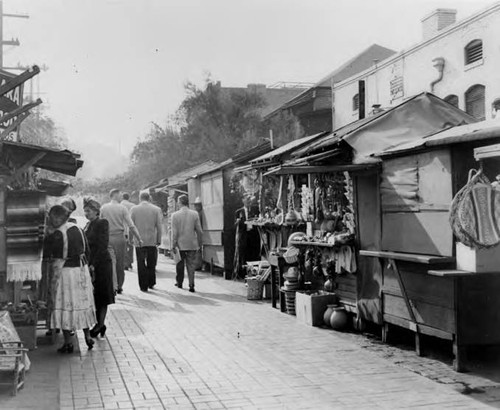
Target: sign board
pixel 396 81
pixel 9 102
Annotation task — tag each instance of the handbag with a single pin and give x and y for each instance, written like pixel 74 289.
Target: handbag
pixel 176 254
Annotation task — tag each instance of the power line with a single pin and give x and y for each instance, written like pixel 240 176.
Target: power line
pixel 13 41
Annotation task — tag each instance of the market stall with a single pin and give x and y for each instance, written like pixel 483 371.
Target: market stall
pixel 435 280
pixel 347 150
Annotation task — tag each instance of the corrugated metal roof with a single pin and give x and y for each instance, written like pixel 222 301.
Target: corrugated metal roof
pixel 285 149
pixel 181 177
pixel 478 131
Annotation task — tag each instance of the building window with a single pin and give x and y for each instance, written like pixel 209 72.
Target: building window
pixel 495 108
pixel 355 102
pixel 452 99
pixel 474 101
pixel 473 51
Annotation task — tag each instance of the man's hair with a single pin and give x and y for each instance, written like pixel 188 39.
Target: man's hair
pixel 183 200
pixel 144 196
pixel 126 196
pixel 113 192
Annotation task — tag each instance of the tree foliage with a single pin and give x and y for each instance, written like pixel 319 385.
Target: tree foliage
pixel 40 129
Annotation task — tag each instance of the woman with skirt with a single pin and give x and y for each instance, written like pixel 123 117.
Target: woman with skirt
pixel 101 267
pixel 73 302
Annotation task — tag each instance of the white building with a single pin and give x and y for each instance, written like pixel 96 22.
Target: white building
pixel 457 61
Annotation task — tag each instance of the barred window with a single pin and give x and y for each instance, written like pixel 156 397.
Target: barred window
pixel 473 51
pixel 355 102
pixel 474 101
pixel 452 99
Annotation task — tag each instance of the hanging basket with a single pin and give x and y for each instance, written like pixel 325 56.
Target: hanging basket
pixel 255 289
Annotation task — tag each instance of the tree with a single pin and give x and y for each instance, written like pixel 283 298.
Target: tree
pixel 40 129
pixel 217 123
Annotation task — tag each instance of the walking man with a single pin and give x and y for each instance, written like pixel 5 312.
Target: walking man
pixel 119 222
pixel 129 253
pixel 147 218
pixel 187 237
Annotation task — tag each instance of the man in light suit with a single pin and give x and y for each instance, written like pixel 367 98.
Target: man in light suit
pixel 147 218
pixel 187 237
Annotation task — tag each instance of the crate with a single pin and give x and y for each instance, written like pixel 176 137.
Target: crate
pixel 255 289
pixel 310 307
pixel 27 334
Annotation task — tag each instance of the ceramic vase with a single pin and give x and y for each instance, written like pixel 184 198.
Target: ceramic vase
pixel 328 314
pixel 338 318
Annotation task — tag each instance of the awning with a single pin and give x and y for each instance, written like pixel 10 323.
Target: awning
pixel 22 155
pixel 278 153
pixel 484 130
pixel 319 169
pixel 53 188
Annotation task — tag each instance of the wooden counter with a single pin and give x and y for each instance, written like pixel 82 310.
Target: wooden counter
pixel 427 296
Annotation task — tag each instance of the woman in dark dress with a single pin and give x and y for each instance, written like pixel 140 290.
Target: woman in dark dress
pixel 101 267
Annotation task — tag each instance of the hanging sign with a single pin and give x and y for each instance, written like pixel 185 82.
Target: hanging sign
pixel 10 101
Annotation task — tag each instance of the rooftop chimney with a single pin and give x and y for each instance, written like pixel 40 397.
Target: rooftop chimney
pixel 436 21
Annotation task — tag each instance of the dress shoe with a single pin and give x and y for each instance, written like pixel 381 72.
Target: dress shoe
pixel 191 289
pixel 119 291
pixel 144 290
pixel 178 285
pixel 152 287
pixel 90 343
pixel 96 330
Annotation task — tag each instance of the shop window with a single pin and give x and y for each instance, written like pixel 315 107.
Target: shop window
pixel 495 108
pixel 452 99
pixel 473 51
pixel 474 101
pixel 355 102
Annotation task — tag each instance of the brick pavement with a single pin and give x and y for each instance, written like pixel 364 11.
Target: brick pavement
pixel 213 349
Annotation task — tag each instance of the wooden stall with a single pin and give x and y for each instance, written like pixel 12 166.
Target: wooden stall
pixel 348 149
pixel 219 202
pixel 421 287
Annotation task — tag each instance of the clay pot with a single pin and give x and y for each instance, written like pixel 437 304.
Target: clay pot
pixel 328 314
pixel 329 285
pixel 338 318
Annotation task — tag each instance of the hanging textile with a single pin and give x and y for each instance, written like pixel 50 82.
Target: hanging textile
pixel 25 213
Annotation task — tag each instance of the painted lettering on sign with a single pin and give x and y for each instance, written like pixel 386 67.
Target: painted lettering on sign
pixel 9 102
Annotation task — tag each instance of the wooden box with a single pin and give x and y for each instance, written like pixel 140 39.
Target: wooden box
pixel 310 308
pixel 477 260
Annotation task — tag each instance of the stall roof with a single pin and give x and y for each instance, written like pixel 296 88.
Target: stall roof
pixel 478 131
pixel 276 154
pixel 61 161
pixel 423 114
pixel 243 157
pixel 181 177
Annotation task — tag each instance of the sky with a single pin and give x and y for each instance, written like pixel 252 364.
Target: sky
pixel 115 66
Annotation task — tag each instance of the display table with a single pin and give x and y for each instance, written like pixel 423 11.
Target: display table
pixel 426 295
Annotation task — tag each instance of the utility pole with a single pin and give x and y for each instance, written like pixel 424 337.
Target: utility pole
pixel 12 42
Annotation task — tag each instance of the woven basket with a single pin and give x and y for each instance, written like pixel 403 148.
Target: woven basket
pixel 291 255
pixel 255 289
pixel 290 301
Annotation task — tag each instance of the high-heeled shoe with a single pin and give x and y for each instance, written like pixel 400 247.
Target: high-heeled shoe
pixel 97 330
pixel 66 348
pixel 90 344
pixel 102 331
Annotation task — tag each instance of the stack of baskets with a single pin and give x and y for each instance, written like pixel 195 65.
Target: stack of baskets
pixel 290 301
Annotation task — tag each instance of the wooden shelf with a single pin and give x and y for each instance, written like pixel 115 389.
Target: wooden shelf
pixel 323 244
pixel 448 273
pixel 409 257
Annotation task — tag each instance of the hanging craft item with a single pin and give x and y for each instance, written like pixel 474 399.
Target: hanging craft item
pixel 473 213
pixel 291 216
pixel 25 220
